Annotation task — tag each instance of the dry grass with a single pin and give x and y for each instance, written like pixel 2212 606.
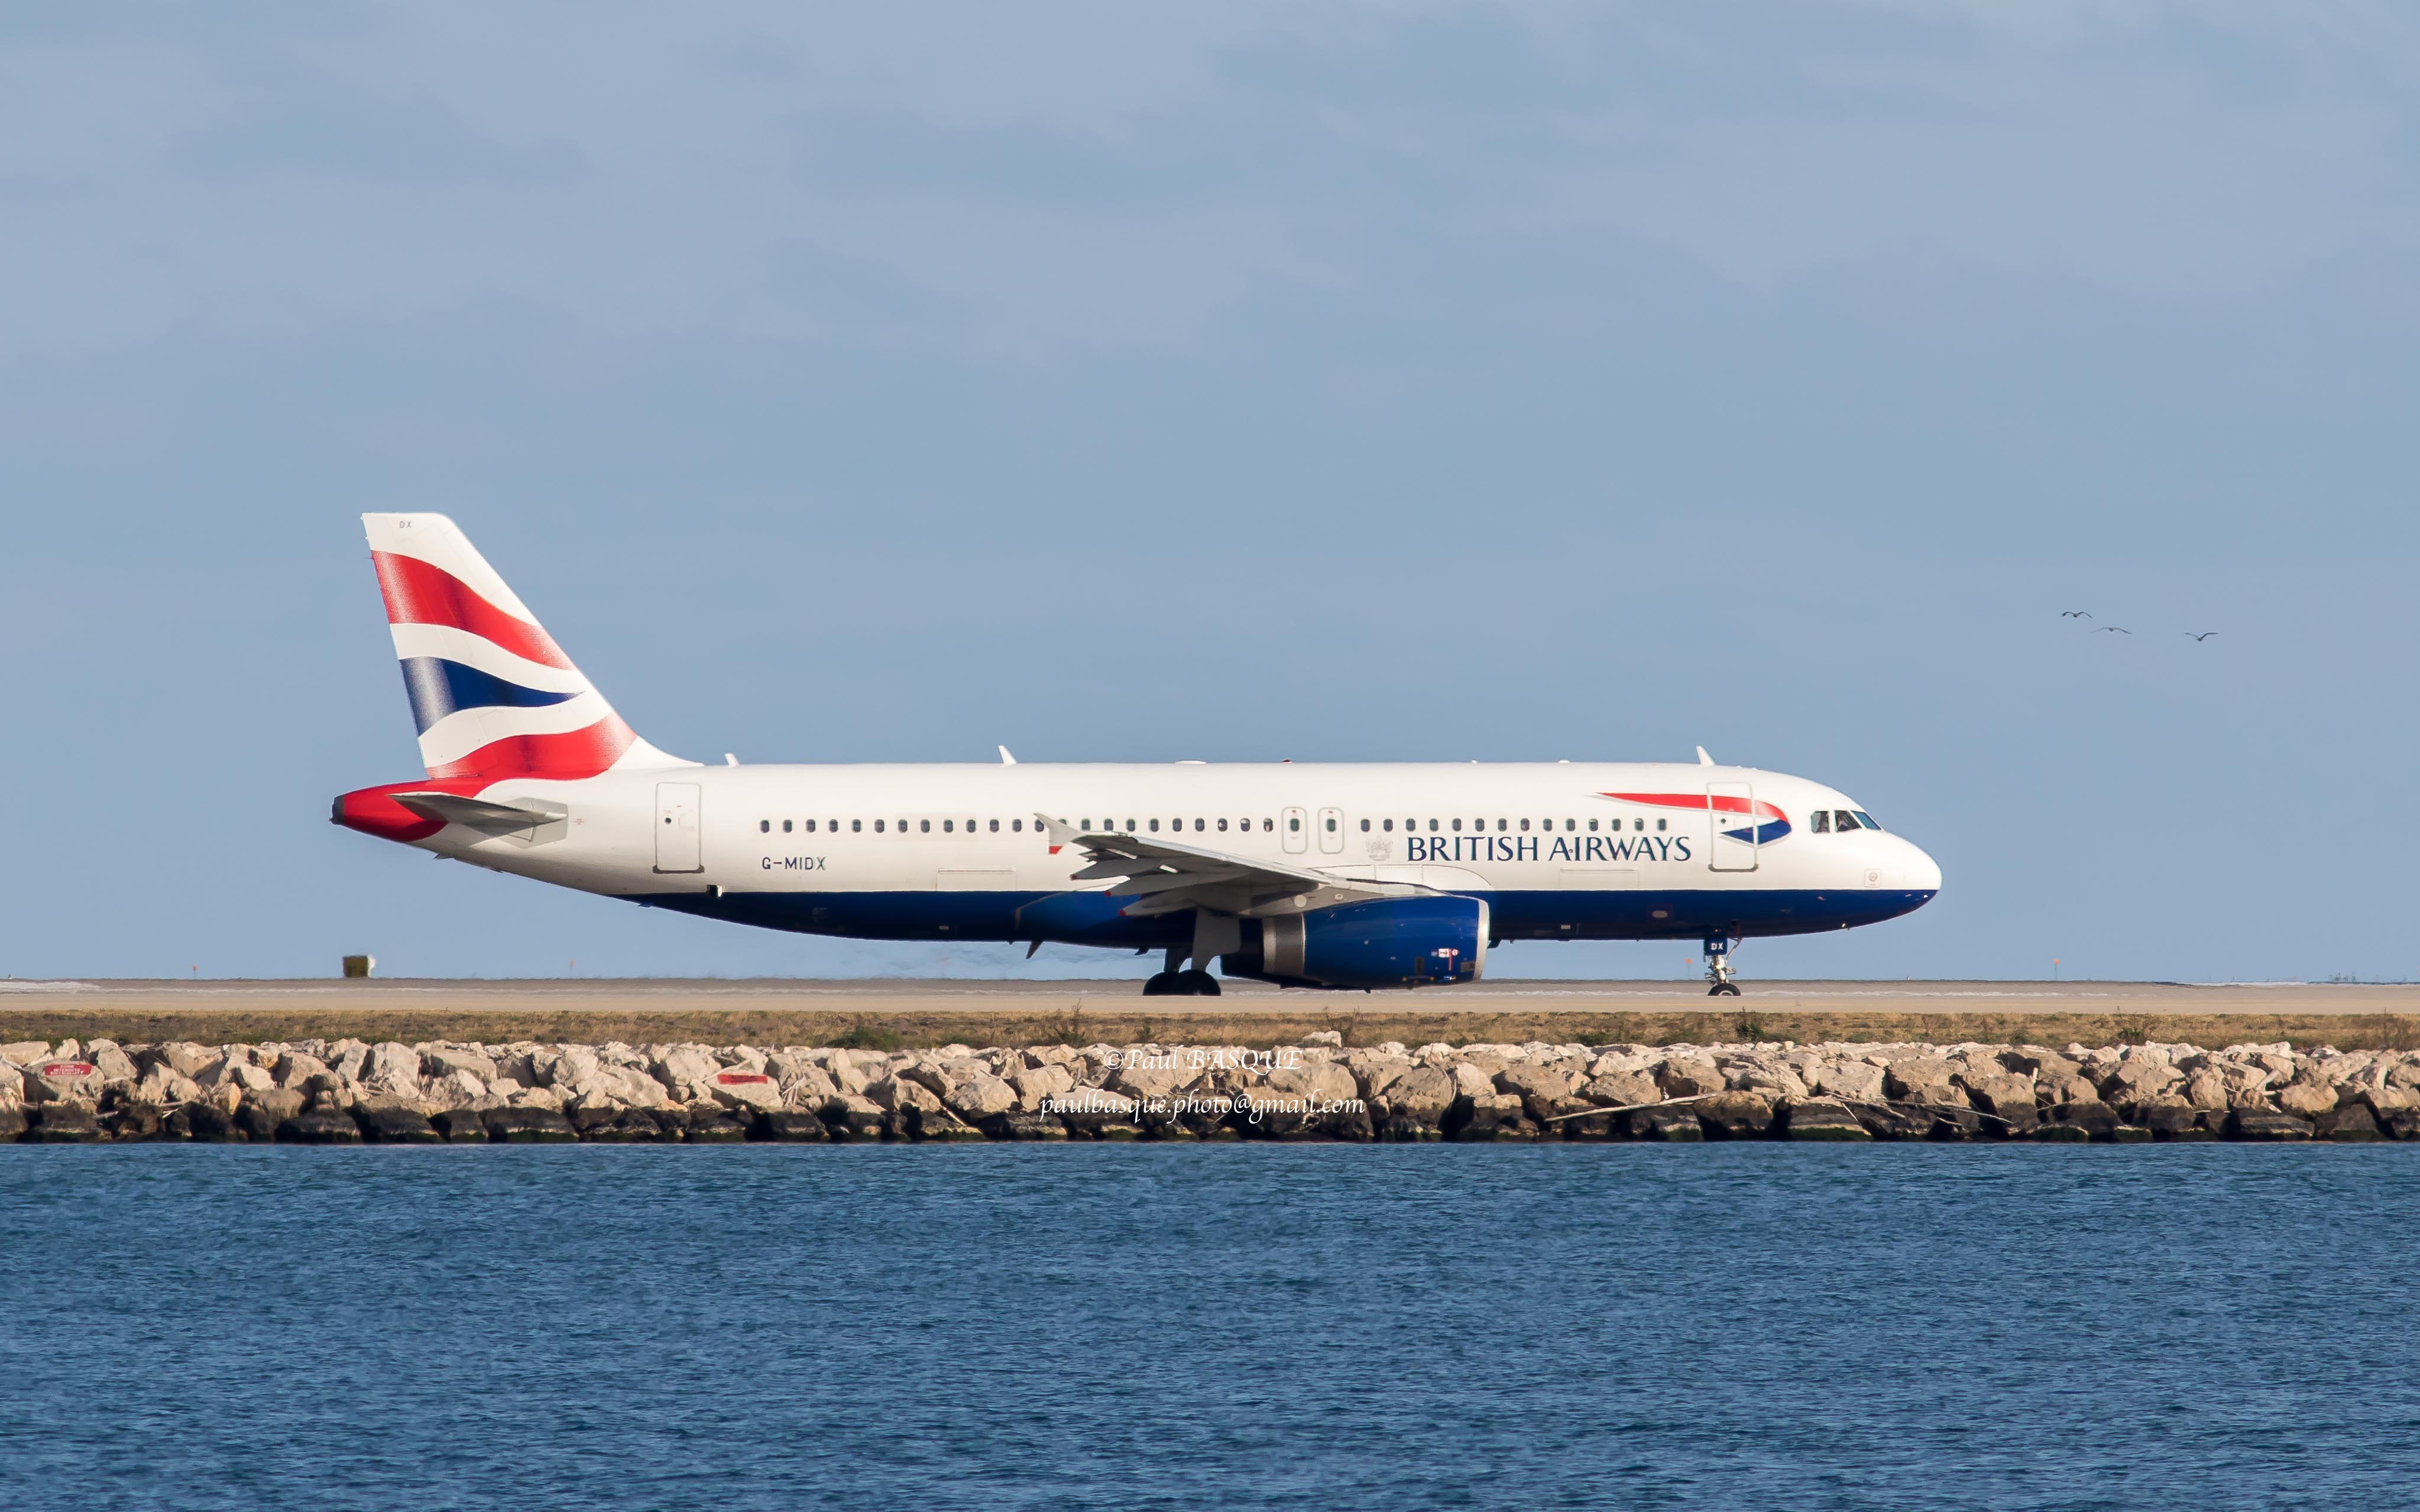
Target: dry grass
pixel 1126 1019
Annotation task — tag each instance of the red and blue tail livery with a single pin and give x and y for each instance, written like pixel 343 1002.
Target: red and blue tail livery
pixel 1304 874
pixel 492 695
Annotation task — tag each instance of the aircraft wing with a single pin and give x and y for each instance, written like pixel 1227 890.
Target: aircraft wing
pixel 1165 877
pixel 479 813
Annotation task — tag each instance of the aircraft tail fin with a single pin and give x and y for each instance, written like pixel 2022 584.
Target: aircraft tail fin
pixel 492 695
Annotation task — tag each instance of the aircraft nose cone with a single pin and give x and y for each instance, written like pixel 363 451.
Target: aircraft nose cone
pixel 1923 874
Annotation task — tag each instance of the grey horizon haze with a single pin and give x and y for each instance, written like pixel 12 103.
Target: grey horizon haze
pixel 1239 382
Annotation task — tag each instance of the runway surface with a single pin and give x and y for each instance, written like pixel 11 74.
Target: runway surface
pixel 909 1011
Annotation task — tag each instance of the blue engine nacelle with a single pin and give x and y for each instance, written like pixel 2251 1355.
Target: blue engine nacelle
pixel 1386 942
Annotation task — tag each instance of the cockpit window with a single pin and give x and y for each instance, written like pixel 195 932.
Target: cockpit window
pixel 1843 821
pixel 1867 820
pixel 1820 822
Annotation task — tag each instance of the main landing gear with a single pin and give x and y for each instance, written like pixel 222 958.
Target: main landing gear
pixel 1718 966
pixel 1174 983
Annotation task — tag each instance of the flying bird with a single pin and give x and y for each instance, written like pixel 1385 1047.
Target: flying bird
pixel 2200 635
pixel 2119 629
pixel 2073 615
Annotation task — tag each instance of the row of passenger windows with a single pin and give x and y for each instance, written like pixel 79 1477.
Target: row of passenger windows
pixel 1294 824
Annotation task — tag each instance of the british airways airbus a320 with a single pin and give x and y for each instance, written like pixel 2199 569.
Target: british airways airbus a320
pixel 1302 875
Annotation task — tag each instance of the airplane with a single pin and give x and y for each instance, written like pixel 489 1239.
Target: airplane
pixel 1336 876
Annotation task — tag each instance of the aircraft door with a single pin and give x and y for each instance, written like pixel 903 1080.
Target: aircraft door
pixel 677 812
pixel 1292 827
pixel 1730 809
pixel 1332 830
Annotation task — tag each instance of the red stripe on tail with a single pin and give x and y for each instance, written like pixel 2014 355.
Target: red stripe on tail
pixel 419 594
pixel 566 757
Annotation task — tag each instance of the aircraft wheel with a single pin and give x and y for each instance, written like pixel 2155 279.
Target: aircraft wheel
pixel 1196 984
pixel 1161 984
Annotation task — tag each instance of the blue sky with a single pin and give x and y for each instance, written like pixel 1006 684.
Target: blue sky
pixel 1387 381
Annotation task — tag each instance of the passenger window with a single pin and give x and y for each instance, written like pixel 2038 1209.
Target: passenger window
pixel 1365 826
pixel 1457 827
pixel 877 826
pixel 1432 826
pixel 1820 822
pixel 1155 826
pixel 1867 820
pixel 1524 826
pixel 1016 826
pixel 1222 827
pixel 857 826
pixel 1501 826
pixel 1130 827
pixel 1331 823
pixel 1389 826
pixel 945 826
pixel 1591 824
pixel 1267 825
pixel 1294 824
pixel 1199 826
pixel 1659 824
pixel 995 826
pixel 764 826
pixel 1639 823
pixel 1570 824
pixel 924 827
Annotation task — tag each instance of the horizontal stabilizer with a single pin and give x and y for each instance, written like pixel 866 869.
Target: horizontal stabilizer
pixel 479 814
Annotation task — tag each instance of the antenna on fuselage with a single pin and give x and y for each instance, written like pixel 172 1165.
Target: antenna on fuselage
pixel 1005 759
pixel 1704 760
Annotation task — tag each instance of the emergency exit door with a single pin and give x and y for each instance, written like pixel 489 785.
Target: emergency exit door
pixel 676 846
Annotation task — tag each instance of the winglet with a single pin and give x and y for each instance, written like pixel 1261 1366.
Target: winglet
pixel 1005 759
pixel 1704 760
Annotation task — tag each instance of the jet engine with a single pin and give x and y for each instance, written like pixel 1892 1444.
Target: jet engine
pixel 1386 942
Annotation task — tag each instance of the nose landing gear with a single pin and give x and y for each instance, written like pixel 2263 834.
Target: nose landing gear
pixel 1718 966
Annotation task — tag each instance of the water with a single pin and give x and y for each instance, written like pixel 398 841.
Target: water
pixel 1150 1327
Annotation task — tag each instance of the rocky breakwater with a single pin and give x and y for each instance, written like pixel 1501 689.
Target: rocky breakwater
pixel 347 1091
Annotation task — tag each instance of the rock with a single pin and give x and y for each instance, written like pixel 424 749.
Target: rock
pixel 1086 1108
pixel 640 1126
pixel 1852 1079
pixel 461 1126
pixel 1420 1095
pixel 113 1064
pixel 1919 1079
pixel 1687 1076
pixel 1952 1125
pixel 1024 1125
pixel 894 1094
pixel 1664 1123
pixel 392 1067
pixel 786 1126
pixel 2307 1100
pixel 1532 1084
pixel 62 1081
pixel 261 1113
pixel 2264 1125
pixel 2349 1121
pixel 686 1070
pixel 513 1125
pixel 2062 1134
pixel 2206 1090
pixel 444 1060
pixel 1819 1118
pixel 2098 1120
pixel 166 1086
pixel 2403 1123
pixel 1622 1089
pixel 1883 1121
pixel 746 1090
pixel 12 1122
pixel 24 1052
pixel 319 1126
pixel 2174 1122
pixel 1737 1115
pixel 384 1121
pixel 2010 1099
pixel 714 1129
pixel 980 1096
pixel 2052 1091
pixel 66 1121
pixel 138 1120
pixel 1334 1039
pixel 1495 1116
pixel 1038 1085
pixel 852 1118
